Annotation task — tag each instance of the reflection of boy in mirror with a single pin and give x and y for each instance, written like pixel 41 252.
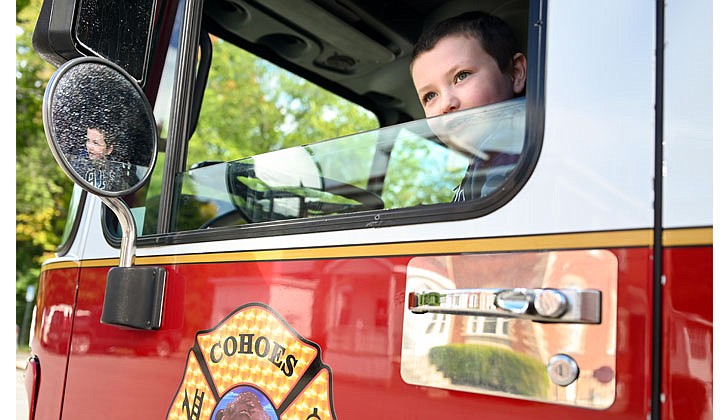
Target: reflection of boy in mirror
pixel 467 61
pixel 95 164
pixel 100 167
pixel 97 145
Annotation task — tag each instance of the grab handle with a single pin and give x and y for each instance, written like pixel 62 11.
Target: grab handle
pixel 547 305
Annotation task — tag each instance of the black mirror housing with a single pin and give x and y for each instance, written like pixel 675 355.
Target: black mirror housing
pixel 120 33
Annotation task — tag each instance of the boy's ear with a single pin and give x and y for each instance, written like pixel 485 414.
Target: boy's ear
pixel 518 76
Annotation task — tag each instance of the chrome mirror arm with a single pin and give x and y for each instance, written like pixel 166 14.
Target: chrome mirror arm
pixel 128 229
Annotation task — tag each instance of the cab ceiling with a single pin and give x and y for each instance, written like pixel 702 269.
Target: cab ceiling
pixel 356 48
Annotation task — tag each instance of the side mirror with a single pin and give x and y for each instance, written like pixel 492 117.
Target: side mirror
pixel 100 127
pixel 101 130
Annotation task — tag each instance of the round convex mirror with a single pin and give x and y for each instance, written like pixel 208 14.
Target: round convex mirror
pixel 100 126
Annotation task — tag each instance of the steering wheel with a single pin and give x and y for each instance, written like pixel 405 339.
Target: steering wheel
pixel 367 199
pixel 249 198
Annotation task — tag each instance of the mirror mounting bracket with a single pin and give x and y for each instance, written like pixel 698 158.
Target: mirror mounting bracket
pixel 134 295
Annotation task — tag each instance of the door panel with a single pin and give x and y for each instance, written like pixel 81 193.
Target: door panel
pixel 353 309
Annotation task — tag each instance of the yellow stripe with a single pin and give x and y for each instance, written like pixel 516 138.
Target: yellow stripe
pixel 61 264
pixel 631 238
pixel 687 237
pixel 590 240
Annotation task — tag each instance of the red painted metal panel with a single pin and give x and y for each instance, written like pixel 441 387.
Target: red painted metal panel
pixel 51 338
pixel 688 333
pixel 352 308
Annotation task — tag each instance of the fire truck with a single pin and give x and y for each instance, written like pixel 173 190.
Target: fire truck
pixel 273 235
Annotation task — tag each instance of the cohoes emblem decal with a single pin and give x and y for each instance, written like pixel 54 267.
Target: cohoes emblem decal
pixel 253 365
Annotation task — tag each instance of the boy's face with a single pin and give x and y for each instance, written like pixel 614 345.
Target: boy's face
pixel 96 144
pixel 458 74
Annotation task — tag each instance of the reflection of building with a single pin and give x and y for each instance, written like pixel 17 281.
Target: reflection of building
pixel 470 272
pixel 360 342
pixel 487 329
pixel 592 346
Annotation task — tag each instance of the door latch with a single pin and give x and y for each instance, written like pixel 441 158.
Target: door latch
pixel 541 305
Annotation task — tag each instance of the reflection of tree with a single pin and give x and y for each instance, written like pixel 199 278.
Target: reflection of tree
pixel 491 368
pixel 410 180
pixel 252 107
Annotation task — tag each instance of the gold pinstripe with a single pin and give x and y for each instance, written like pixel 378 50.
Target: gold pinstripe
pixel 687 237
pixel 588 240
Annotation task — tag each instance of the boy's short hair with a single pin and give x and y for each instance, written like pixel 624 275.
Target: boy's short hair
pixel 494 35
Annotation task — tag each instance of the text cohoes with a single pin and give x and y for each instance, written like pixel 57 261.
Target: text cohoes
pixel 248 344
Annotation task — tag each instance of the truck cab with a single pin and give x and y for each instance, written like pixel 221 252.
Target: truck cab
pixel 292 245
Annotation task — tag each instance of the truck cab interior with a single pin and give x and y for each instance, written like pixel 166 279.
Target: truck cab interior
pixel 358 49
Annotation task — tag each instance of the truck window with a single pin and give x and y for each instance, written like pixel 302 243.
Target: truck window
pixel 275 144
pixel 75 207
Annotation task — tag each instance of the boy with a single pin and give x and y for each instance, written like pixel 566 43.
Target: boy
pixel 464 62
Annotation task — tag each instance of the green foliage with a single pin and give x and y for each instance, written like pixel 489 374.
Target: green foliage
pixel 42 190
pixel 410 184
pixel 491 368
pixel 252 107
pixel 20 5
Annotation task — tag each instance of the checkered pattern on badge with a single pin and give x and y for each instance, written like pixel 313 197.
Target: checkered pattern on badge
pixel 195 384
pixel 239 369
pixel 315 396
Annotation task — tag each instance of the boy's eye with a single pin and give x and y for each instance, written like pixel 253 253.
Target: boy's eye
pixel 462 76
pixel 427 97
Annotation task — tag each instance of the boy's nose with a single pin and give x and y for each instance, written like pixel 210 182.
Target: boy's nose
pixel 448 103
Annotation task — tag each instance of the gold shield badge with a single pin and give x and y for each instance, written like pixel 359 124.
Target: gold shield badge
pixel 253 364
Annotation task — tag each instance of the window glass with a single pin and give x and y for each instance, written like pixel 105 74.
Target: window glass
pixel 251 107
pixel 418 163
pixel 144 204
pixel 73 208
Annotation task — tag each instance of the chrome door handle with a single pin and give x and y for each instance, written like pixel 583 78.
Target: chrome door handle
pixel 541 305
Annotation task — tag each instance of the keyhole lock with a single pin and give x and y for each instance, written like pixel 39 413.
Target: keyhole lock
pixel 562 370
